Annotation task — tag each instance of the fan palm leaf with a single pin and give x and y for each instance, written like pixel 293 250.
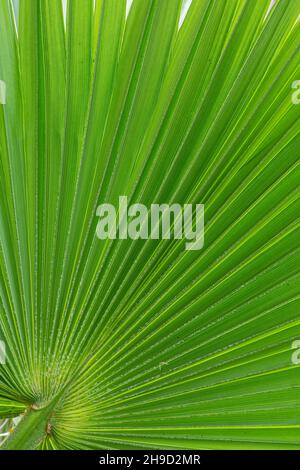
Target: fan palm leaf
pixel 135 344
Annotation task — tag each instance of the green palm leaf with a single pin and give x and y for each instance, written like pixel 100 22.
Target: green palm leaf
pixel 129 344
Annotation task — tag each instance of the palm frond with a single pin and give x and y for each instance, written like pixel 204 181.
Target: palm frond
pixel 129 344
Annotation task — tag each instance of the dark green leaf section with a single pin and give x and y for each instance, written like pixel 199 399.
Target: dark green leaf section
pixel 31 431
